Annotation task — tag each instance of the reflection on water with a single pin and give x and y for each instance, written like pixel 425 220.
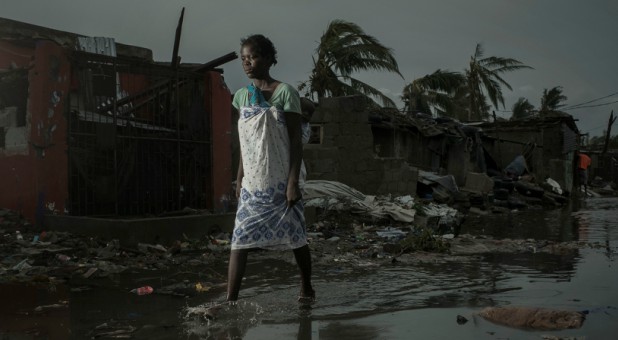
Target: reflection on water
pixel 386 302
pixel 597 221
pixel 553 225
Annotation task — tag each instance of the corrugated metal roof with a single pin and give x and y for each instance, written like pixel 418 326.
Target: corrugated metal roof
pixel 98 45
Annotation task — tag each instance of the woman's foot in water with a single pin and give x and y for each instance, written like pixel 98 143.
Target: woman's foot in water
pixel 307 295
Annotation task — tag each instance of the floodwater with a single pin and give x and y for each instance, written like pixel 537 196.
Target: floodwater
pixel 418 300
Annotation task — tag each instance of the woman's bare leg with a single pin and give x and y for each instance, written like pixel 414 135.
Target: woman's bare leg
pixel 303 259
pixel 235 272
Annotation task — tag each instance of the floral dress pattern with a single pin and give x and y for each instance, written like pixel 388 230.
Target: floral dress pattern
pixel 263 219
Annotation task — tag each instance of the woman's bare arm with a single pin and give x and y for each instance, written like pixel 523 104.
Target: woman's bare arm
pixel 293 122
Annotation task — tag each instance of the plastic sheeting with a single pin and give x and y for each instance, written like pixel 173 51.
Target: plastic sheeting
pixel 334 195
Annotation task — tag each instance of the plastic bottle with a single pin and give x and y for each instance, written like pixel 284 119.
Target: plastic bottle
pixel 142 290
pixel 19 235
pixel 63 258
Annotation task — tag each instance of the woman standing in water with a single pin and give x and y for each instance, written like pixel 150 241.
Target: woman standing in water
pixel 270 211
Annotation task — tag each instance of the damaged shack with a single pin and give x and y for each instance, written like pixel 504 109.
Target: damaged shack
pixel 342 149
pixel 547 142
pixel 92 127
pixel 381 151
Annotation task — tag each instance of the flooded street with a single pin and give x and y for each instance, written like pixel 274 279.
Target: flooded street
pixel 416 296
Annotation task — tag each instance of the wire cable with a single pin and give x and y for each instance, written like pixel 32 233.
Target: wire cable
pixel 587 106
pixel 588 102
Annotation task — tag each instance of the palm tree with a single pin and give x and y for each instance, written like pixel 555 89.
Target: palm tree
pixel 484 79
pixel 522 109
pixel 550 101
pixel 344 49
pixel 434 90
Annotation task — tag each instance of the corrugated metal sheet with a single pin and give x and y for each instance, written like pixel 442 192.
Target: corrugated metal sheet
pixel 569 139
pixel 98 45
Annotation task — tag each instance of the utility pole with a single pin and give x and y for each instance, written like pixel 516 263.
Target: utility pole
pixel 611 121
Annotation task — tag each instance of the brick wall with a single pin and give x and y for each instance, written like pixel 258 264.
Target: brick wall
pixel 346 153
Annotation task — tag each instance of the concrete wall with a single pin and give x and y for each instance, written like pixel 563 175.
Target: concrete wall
pixel 218 103
pixel 346 153
pixel 547 160
pixel 33 175
pixel 441 154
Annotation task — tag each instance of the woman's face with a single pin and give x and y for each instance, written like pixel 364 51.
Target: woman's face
pixel 255 65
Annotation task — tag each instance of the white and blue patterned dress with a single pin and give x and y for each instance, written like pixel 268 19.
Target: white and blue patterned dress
pixel 263 219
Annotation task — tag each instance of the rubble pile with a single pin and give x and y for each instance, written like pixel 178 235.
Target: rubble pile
pixel 53 256
pixel 350 227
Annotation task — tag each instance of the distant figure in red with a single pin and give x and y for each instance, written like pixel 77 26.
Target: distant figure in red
pixel 583 162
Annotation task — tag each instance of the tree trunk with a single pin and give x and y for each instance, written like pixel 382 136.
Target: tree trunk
pixel 611 121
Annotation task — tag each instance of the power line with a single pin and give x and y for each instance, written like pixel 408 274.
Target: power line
pixel 583 107
pixel 588 102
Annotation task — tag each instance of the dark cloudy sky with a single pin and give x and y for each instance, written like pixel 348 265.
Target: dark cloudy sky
pixel 570 43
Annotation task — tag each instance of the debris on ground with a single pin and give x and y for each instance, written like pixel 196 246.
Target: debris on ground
pixel 534 318
pixel 350 227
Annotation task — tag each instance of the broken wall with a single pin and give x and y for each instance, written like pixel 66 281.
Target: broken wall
pixel 442 153
pixel 345 151
pixel 552 157
pixel 37 98
pixel 33 175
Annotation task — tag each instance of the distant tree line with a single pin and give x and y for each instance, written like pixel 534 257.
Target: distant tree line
pixel 345 49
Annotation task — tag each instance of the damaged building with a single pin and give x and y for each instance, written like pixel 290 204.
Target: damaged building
pixel 92 127
pixel 383 151
pixel 548 143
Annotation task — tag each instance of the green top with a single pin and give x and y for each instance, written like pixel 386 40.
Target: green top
pixel 284 98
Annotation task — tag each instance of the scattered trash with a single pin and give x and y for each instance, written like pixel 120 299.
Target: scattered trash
pixel 555 187
pixel 201 288
pixel 21 265
pixel 40 309
pixel 392 233
pixel 534 318
pixel 63 258
pixel 142 290
pixel 18 235
pixel 151 248
pixel 106 330
pixel 332 195
pixel 461 320
pixel 89 273
pixel 517 167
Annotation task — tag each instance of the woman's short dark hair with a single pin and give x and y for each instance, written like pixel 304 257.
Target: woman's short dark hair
pixel 261 45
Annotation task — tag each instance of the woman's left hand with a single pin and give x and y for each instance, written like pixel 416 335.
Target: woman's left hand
pixel 293 194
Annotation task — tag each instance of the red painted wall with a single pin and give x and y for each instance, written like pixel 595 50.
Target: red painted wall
pixel 36 182
pixel 16 171
pixel 219 105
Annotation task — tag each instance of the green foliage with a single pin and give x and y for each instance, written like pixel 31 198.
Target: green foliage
pixel 420 209
pixel 484 80
pixel 552 99
pixel 345 49
pixel 522 109
pixel 463 96
pixel 424 240
pixel 434 90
